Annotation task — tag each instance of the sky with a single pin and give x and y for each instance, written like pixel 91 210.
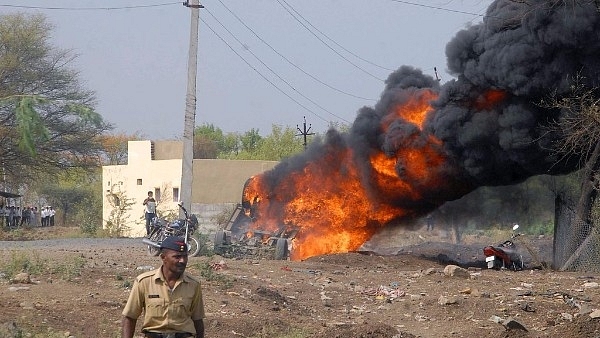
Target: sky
pixel 260 63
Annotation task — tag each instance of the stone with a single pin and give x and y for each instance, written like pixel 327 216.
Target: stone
pixel 456 271
pixel 21 278
pixel 447 300
pixel 511 324
pixel 595 314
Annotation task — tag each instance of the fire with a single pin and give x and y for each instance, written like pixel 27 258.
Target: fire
pixel 338 202
pixel 489 99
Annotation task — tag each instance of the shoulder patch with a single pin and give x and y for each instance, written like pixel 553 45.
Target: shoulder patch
pixel 191 278
pixel 146 275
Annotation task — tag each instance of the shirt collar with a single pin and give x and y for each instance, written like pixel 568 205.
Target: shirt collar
pixel 159 275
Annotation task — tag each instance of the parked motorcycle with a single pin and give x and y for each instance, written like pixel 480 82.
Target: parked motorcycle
pixel 161 229
pixel 504 255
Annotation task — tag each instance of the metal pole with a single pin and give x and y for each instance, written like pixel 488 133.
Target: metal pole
pixel 304 132
pixel 185 190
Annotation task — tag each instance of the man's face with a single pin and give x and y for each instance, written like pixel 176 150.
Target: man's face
pixel 174 261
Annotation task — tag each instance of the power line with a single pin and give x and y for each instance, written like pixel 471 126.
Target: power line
pixel 337 44
pixel 328 46
pixel 444 9
pixel 272 71
pixel 290 62
pixel 437 8
pixel 261 75
pixel 92 8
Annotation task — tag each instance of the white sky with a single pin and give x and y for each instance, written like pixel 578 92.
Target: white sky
pixel 136 59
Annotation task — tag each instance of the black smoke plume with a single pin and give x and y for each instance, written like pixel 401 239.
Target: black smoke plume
pixel 488 120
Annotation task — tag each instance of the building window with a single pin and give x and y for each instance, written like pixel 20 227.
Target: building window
pixel 157 194
pixel 139 181
pixel 175 194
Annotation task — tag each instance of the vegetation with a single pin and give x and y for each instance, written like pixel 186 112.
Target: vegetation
pixel 120 204
pixel 212 142
pixel 48 118
pixel 210 275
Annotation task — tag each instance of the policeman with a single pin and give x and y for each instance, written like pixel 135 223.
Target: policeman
pixel 170 298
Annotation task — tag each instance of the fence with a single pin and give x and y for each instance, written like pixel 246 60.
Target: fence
pixel 576 242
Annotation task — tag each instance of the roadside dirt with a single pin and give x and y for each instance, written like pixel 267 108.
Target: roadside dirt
pixel 400 291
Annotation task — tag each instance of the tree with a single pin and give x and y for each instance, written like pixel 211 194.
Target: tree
pixel 211 142
pixel 282 143
pixel 579 128
pixel 114 148
pixel 47 119
pixel 250 140
pixel 73 193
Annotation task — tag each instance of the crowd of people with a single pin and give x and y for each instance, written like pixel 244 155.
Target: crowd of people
pixel 15 216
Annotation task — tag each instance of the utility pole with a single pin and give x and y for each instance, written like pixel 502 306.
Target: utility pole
pixel 304 132
pixel 185 191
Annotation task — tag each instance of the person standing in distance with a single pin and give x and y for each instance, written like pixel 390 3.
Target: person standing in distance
pixel 150 211
pixel 170 298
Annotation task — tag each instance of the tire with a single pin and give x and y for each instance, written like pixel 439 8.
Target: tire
pixel 193 247
pixel 220 238
pixel 155 237
pixel 498 264
pixel 281 249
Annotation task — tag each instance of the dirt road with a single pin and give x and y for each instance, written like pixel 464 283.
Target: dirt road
pixel 78 289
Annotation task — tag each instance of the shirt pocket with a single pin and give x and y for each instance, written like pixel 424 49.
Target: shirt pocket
pixel 155 307
pixel 181 307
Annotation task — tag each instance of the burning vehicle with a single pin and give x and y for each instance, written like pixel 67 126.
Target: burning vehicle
pixel 242 236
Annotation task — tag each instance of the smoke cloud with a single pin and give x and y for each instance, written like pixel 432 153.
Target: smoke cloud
pixel 487 120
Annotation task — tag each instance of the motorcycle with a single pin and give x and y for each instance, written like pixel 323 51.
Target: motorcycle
pixel 504 255
pixel 161 229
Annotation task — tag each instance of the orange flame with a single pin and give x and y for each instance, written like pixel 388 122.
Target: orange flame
pixel 489 99
pixel 339 204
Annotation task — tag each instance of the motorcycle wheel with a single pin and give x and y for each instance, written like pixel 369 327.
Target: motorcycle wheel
pixel 219 241
pixel 498 264
pixel 155 237
pixel 193 247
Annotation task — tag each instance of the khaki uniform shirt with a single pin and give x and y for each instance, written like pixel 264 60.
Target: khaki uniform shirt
pixel 165 310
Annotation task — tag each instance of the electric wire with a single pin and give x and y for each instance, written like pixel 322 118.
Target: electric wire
pixel 332 40
pixel 260 74
pixel 290 62
pixel 437 8
pixel 328 46
pixel 270 69
pixel 92 8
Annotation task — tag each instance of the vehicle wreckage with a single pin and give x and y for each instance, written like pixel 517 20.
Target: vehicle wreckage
pixel 242 236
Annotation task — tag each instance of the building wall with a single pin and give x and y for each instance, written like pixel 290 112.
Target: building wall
pixel 217 184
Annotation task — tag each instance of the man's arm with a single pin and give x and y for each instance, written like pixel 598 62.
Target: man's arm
pixel 199 325
pixel 128 327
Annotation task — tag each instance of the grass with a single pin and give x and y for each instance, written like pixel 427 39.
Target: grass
pixel 225 282
pixel 33 264
pixel 29 233
pixel 69 269
pixel 22 262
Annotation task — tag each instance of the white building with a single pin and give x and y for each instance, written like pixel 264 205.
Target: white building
pixel 156 166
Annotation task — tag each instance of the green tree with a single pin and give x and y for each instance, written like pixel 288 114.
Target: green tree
pixel 47 119
pixel 74 193
pixel 250 140
pixel 212 142
pixel 281 143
